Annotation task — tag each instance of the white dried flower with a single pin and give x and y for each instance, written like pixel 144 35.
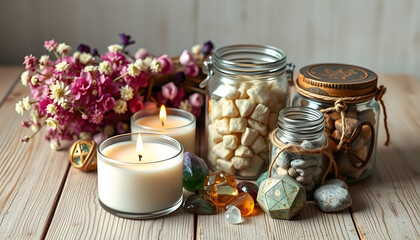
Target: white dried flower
pixel 34 116
pixel 120 106
pixel 94 92
pixel 156 66
pixel 147 61
pixel 34 80
pixel 63 48
pixel 43 61
pixel 76 54
pixel 85 135
pixel 85 58
pixel 52 123
pixel 61 67
pixel 59 93
pixel 115 48
pixel 54 145
pixel 109 130
pixel 19 108
pixel 26 103
pixel 133 70
pixel 185 105
pixel 141 64
pixel 105 67
pixel 35 127
pixel 90 68
pixel 51 109
pixel 24 78
pixel 196 49
pixel 127 93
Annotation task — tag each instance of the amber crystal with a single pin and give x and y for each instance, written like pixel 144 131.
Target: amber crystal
pixel 243 202
pixel 222 193
pixel 219 177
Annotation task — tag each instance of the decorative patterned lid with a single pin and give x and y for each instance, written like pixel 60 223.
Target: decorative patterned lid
pixel 337 80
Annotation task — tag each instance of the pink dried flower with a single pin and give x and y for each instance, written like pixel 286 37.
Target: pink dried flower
pixel 186 58
pixel 30 63
pixel 169 91
pixel 149 105
pixel 100 137
pixel 177 100
pixel 50 45
pixel 196 112
pixel 196 100
pixel 191 71
pixel 141 53
pixel 135 105
pixel 167 64
pixel 160 98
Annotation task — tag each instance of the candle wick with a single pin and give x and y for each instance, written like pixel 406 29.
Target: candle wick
pixel 140 157
pixel 163 124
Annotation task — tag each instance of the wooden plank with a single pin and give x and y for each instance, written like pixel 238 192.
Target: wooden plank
pixel 79 216
pixel 310 223
pixel 8 76
pixel 387 204
pixel 31 175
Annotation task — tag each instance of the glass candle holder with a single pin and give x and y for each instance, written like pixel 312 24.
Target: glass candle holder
pixel 179 124
pixel 140 189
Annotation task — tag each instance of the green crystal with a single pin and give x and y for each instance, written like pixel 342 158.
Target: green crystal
pixel 194 172
pixel 196 205
pixel 281 197
pixel 262 177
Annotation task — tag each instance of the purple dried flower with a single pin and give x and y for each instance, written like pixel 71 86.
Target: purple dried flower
pixel 180 77
pixel 207 48
pixel 126 40
pixel 95 52
pixel 83 48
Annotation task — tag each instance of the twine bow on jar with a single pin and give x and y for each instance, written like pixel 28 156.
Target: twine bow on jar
pixel 294 148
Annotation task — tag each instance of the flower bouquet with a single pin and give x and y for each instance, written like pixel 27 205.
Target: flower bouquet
pixel 88 95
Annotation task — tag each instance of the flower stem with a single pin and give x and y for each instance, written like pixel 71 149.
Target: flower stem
pixel 56 55
pixel 118 78
pixel 33 135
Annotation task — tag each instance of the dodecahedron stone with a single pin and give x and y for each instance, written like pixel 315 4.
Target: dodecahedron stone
pixel 194 172
pixel 281 197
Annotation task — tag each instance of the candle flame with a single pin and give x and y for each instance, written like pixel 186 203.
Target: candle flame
pixel 139 147
pixel 162 114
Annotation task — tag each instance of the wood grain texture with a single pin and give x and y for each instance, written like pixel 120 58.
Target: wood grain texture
pixel 79 216
pixel 8 76
pixel 387 204
pixel 30 176
pixel 310 223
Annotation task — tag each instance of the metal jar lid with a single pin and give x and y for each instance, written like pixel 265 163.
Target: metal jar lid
pixel 337 80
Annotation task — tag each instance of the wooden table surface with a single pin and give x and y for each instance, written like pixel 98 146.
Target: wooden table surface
pixel 42 196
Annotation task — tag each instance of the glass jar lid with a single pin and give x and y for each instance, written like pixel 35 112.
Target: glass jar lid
pixel 337 80
pixel 249 59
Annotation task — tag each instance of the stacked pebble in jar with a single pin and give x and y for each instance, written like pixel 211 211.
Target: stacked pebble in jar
pixel 247 87
pixel 353 91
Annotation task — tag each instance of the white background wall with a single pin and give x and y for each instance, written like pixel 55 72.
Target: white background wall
pixel 383 35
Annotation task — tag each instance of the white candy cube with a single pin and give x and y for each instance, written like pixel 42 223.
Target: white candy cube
pixel 226 166
pixel 254 168
pixel 240 162
pixel 261 128
pixel 260 114
pixel 229 109
pixel 259 94
pixel 222 126
pixel 221 152
pixel 258 145
pixel 245 106
pixel 230 142
pixel 248 136
pixel 237 124
pixel 243 151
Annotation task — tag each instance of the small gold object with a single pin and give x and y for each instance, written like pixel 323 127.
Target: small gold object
pixel 82 155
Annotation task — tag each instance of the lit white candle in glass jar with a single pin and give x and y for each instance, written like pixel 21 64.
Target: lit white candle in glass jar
pixel 140 179
pixel 172 122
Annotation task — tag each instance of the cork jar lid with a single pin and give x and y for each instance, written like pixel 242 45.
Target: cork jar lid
pixel 337 80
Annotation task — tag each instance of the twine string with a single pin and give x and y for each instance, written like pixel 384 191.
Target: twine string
pixel 339 103
pixel 294 148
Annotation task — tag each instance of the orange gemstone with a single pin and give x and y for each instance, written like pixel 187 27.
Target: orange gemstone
pixel 219 177
pixel 222 193
pixel 243 202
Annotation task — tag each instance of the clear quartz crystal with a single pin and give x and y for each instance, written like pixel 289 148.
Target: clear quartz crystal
pixel 233 215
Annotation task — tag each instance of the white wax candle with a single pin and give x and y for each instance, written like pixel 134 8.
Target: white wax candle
pixel 153 184
pixel 178 127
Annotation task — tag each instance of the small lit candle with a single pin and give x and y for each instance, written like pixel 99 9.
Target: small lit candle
pixel 172 122
pixel 140 179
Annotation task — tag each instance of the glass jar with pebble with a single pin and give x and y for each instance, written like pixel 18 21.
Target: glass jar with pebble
pixel 345 94
pixel 302 127
pixel 246 87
